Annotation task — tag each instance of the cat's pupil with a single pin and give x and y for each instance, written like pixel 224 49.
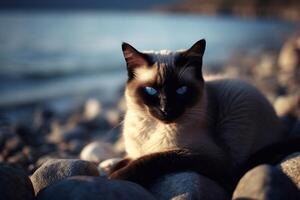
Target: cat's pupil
pixel 181 90
pixel 151 90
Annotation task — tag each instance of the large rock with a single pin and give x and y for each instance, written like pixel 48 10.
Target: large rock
pixel 265 182
pixel 93 188
pixel 98 151
pixel 291 167
pixel 57 169
pixel 185 186
pixel 14 184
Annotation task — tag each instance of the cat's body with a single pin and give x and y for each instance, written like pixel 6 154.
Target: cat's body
pixel 225 118
pixel 177 121
pixel 233 120
pixel 230 116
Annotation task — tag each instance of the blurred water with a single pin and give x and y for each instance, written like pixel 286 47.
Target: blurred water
pixel 49 54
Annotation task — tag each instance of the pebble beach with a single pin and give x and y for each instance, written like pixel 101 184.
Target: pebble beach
pixel 73 138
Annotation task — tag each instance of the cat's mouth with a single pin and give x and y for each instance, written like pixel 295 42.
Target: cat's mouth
pixel 165 117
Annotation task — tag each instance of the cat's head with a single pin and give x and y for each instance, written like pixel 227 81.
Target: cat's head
pixel 164 84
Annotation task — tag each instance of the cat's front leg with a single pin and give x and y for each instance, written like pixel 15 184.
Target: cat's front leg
pixel 146 169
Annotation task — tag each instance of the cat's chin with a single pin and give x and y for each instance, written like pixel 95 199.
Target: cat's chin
pixel 166 120
pixel 163 118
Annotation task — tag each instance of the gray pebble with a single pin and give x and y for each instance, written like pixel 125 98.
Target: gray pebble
pixel 291 167
pixel 57 169
pixel 187 186
pixel 265 182
pixel 98 151
pixel 14 184
pixel 93 188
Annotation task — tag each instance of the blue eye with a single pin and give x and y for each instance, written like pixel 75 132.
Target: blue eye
pixel 181 90
pixel 150 90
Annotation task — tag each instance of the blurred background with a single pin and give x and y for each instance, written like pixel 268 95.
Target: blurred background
pixel 62 72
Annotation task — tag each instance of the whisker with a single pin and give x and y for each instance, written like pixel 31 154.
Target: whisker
pixel 106 135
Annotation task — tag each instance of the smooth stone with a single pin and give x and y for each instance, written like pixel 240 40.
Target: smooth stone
pixel 12 145
pixel 77 133
pixel 92 188
pixel 92 109
pixel 285 105
pixel 265 182
pixel 113 117
pixel 57 169
pixel 75 146
pixel 186 186
pixel 29 134
pixel 99 123
pixel 14 184
pixel 289 58
pixel 98 151
pixel 265 67
pixel 296 129
pixel 291 167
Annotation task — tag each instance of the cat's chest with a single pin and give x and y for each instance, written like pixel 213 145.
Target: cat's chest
pixel 145 136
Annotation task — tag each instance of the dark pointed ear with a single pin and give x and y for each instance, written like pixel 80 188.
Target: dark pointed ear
pixel 197 50
pixel 194 57
pixel 134 58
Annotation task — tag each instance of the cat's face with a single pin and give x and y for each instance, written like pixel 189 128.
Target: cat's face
pixel 164 84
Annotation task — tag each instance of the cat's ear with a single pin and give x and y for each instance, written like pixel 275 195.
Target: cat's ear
pixel 194 57
pixel 197 50
pixel 134 58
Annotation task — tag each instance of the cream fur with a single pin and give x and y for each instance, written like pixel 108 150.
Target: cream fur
pixel 145 74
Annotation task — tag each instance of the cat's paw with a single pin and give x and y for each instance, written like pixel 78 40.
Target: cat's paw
pixel 106 167
pixel 112 165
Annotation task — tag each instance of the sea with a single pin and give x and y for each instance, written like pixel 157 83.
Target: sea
pixel 52 54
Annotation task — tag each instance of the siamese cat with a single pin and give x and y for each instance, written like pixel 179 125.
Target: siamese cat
pixel 178 121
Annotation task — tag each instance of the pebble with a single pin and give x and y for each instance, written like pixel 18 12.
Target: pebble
pixel 12 145
pixel 295 130
pixel 75 146
pixel 76 133
pixel 291 167
pixel 285 105
pixel 265 182
pixel 92 109
pixel 186 186
pixel 66 133
pixel 113 117
pixel 289 58
pixel 265 67
pixel 14 184
pixel 98 151
pixel 92 188
pixel 58 169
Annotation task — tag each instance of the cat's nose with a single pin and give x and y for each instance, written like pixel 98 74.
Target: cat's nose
pixel 165 110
